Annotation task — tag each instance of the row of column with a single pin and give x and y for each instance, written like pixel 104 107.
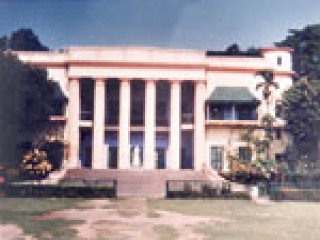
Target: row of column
pixel 98 150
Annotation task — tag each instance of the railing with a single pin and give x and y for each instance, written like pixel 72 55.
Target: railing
pixel 233 122
pixel 197 188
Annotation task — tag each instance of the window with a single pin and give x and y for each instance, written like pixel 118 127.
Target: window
pixel 87 99
pixel 220 112
pixel 112 112
pixel 279 61
pixel 246 113
pixel 278 109
pixel 162 113
pixel 279 157
pixel 278 133
pixel 232 112
pixel 245 154
pixel 216 157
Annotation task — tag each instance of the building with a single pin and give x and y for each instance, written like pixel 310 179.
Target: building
pixel 153 108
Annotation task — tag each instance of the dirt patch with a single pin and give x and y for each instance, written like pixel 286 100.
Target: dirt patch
pixel 128 219
pixel 12 232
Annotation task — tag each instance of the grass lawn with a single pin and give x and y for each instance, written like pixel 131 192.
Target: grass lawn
pixel 23 212
pixel 236 219
pixel 159 219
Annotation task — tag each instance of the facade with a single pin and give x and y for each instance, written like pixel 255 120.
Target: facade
pixel 151 108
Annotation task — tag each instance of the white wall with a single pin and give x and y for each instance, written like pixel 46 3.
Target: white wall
pixel 137 62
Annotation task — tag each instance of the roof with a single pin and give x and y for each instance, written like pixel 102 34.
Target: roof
pixel 236 95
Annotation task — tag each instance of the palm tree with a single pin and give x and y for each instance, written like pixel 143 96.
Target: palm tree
pixel 266 85
pixel 268 82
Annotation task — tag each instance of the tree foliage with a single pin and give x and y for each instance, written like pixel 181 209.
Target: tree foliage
pixel 267 84
pixel 22 39
pixel 27 100
pixel 301 106
pixel 306 55
pixel 233 49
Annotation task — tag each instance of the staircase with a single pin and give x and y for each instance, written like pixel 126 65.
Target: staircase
pixel 137 182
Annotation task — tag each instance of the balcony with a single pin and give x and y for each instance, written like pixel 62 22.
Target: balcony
pixel 233 123
pixel 232 116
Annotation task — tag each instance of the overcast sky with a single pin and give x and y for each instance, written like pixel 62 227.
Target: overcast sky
pixel 198 24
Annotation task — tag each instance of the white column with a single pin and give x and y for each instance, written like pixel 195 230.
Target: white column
pixel 73 123
pixel 175 133
pixel 149 129
pixel 199 125
pixel 98 151
pixel 124 125
pixel 233 112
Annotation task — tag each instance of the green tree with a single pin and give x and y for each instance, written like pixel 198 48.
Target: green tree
pixel 267 120
pixel 233 49
pixel 25 40
pixel 4 43
pixel 27 100
pixel 301 105
pixel 306 55
pixel 22 39
pixel 267 84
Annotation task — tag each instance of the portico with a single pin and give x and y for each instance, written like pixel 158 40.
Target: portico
pixel 134 132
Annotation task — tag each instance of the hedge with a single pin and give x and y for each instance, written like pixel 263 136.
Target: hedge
pixel 45 191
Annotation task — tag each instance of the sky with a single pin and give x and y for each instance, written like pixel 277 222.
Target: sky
pixel 190 24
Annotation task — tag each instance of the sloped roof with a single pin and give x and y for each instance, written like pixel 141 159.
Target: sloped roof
pixel 236 95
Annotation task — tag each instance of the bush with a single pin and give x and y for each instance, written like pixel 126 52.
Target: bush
pixel 244 177
pixel 201 189
pixel 35 164
pixel 45 191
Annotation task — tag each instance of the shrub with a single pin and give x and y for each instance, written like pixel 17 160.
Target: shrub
pixel 35 164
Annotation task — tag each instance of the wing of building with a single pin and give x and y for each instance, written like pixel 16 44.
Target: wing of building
pixel 153 108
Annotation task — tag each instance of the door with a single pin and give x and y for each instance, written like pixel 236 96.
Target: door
pixel 161 158
pixel 113 157
pixel 86 162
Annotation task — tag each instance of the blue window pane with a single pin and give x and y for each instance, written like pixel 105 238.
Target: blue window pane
pixel 227 113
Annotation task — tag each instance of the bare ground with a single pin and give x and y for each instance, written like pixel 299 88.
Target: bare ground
pixel 12 232
pixel 130 219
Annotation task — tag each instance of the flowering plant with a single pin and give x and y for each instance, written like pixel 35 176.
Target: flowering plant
pixel 35 163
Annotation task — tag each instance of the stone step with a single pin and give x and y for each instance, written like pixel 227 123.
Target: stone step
pixel 137 182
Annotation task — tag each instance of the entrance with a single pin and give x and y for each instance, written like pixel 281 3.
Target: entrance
pixel 111 141
pixel 161 158
pixel 161 150
pixel 186 161
pixel 85 148
pixel 113 157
